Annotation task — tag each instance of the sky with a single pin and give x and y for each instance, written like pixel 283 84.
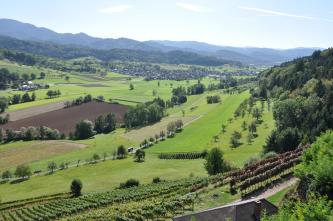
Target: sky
pixel 257 23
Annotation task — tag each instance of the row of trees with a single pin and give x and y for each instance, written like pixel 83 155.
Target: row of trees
pixel 213 99
pixel 30 133
pixel 172 128
pixel 144 114
pixel 17 98
pixel 53 93
pixel 78 101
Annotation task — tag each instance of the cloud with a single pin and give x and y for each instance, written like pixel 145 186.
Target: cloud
pixel 115 9
pixel 192 7
pixel 283 14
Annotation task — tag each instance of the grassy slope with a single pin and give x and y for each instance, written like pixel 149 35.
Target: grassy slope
pixel 103 176
pixel 196 136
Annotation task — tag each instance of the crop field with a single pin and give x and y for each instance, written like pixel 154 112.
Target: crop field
pixel 65 119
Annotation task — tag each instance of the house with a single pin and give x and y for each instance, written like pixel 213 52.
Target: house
pixel 248 210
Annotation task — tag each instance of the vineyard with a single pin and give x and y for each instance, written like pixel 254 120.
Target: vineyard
pixel 182 156
pixel 261 174
pixel 151 201
pixel 172 193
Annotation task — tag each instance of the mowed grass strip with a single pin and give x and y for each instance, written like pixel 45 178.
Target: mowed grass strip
pixel 26 152
pixel 150 130
pixel 197 135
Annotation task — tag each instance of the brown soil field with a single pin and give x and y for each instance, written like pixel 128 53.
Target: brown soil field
pixel 65 119
pixel 33 111
pixel 22 154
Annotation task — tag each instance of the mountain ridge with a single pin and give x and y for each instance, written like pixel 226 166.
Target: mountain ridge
pixel 246 55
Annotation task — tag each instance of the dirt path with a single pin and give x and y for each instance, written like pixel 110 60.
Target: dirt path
pixel 33 111
pixel 273 190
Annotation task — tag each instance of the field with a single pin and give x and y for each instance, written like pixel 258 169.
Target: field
pixel 28 152
pixel 65 119
pixel 202 130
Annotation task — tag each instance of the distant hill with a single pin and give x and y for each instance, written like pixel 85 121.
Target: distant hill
pixel 246 55
pixel 72 51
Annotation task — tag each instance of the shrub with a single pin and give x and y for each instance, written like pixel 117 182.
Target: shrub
pixel 84 130
pixel 129 183
pixel 156 180
pixel 76 187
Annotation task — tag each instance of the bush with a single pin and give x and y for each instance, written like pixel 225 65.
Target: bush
pixel 156 180
pixel 129 183
pixel 76 187
pixel 84 130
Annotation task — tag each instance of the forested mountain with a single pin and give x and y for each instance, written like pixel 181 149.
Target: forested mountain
pixel 70 51
pixel 246 55
pixel 303 90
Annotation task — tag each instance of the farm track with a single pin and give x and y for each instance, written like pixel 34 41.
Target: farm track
pixel 33 111
pixel 65 119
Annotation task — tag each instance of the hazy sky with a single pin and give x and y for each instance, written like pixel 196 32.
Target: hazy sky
pixel 262 23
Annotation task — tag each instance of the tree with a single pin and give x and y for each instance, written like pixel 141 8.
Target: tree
pixel 110 123
pixel 23 171
pixel 131 86
pixel 3 104
pixel 26 97
pixel 253 127
pixel 67 78
pixel 121 152
pixel 99 124
pixel 139 155
pixel 84 130
pixel 33 96
pixel 32 76
pixel 171 129
pixel 234 140
pixel 42 75
pixel 95 158
pixel 223 127
pixel 215 163
pixel 51 166
pixel 76 187
pixel 16 99
pixel 256 114
pixel 6 175
pixel 244 124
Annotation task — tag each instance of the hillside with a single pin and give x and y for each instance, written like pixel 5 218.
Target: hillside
pixel 70 52
pixel 246 55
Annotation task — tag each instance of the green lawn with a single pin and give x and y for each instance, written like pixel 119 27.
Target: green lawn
pixel 103 176
pixel 197 136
